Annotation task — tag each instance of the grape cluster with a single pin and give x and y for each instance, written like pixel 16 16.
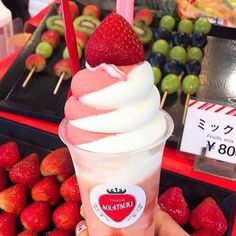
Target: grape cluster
pixel 179 53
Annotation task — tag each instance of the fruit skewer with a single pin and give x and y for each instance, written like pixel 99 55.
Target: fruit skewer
pixel 62 70
pixel 37 62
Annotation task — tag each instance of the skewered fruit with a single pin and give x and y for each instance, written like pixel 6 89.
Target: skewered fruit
pixel 45 49
pixel 143 32
pixel 195 53
pixel 161 46
pixel 65 53
pixel 181 39
pixel 35 60
pixel 170 83
pixel 178 53
pixel 74 9
pixel 167 22
pixel 157 59
pixel 157 75
pixel 62 66
pixel 172 67
pixel 192 67
pixel 162 33
pixel 55 23
pixel 199 40
pixel 92 10
pixel 190 84
pixel 185 26
pixel 52 37
pixel 202 25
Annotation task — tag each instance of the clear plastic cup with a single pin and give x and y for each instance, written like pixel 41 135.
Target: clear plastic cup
pixel 119 190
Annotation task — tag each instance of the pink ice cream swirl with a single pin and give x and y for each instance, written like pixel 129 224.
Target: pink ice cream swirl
pixel 114 109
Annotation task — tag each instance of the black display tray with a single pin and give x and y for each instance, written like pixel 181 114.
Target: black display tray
pixel 37 100
pixel 33 140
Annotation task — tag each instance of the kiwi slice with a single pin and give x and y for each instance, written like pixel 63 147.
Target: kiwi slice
pixel 86 24
pixel 143 32
pixel 55 23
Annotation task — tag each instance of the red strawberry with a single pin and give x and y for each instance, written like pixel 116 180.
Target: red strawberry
pixel 36 216
pixel 92 10
pixel 52 37
pixel 67 215
pixel 27 232
pixel 59 232
pixel 208 216
pixel 58 163
pixel 26 171
pixel 7 224
pixel 144 15
pixel 3 180
pixel 172 201
pixel 70 190
pixel 13 199
pixel 114 42
pixel 202 233
pixel 9 154
pixel 46 190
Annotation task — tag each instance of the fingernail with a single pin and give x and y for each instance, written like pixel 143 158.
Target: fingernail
pixel 81 228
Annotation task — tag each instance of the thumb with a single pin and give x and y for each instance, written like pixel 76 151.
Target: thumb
pixel 81 229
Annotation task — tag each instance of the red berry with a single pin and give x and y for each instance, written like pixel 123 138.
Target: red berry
pixel 35 60
pixel 172 201
pixel 36 216
pixel 67 215
pixel 58 163
pixel 70 190
pixel 46 190
pixel 27 171
pixel 114 42
pixel 7 224
pixel 13 199
pixel 52 37
pixel 209 217
pixel 9 154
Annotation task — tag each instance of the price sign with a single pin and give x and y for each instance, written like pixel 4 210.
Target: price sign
pixel 211 126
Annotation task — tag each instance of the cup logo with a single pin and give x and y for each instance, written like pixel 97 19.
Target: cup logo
pixel 118 205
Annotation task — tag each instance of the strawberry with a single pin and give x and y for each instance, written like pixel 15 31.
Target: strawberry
pixel 13 199
pixel 92 10
pixel 172 201
pixel 201 233
pixel 46 190
pixel 26 171
pixel 114 42
pixel 6 220
pixel 70 190
pixel 208 216
pixel 67 216
pixel 36 216
pixel 59 232
pixel 9 154
pixel 144 15
pixel 3 180
pixel 27 232
pixel 58 163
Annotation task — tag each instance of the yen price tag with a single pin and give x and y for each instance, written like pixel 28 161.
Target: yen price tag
pixel 210 126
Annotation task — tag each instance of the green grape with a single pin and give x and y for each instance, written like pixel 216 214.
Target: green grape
pixel 190 84
pixel 185 26
pixel 195 53
pixel 178 53
pixel 157 75
pixel 202 25
pixel 167 22
pixel 45 49
pixel 161 46
pixel 170 83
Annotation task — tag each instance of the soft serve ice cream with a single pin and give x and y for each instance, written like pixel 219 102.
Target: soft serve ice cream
pixel 116 133
pixel 115 104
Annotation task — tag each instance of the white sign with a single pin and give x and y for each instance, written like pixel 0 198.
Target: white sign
pixel 213 127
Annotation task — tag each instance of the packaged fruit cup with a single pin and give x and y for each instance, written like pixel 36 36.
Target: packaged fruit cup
pixel 119 190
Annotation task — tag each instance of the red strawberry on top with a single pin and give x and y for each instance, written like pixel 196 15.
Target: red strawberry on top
pixel 36 216
pixel 58 163
pixel 70 190
pixel 114 42
pixel 9 154
pixel 7 224
pixel 209 217
pixel 46 190
pixel 3 180
pixel 59 232
pixel 67 216
pixel 13 199
pixel 202 232
pixel 26 171
pixel 172 201
pixel 27 232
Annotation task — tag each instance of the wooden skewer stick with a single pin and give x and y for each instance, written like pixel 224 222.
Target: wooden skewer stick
pixel 59 83
pixel 185 107
pixel 29 77
pixel 163 100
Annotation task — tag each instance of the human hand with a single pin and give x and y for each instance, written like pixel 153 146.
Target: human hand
pixel 165 226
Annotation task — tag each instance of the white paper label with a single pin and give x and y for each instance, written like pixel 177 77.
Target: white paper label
pixel 118 205
pixel 213 127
